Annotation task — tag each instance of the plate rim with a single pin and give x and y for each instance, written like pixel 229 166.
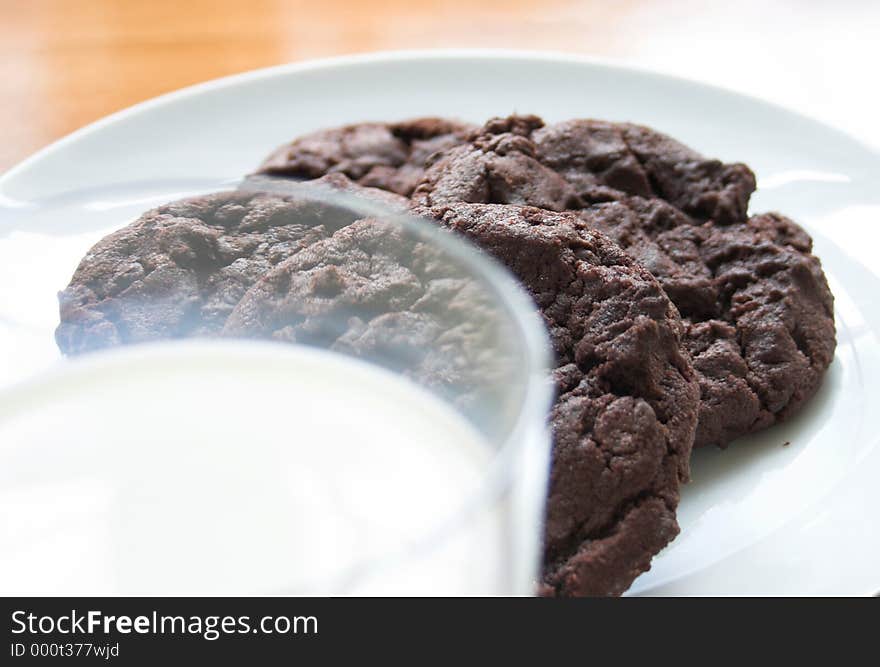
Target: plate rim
pixel 868 152
pixel 439 54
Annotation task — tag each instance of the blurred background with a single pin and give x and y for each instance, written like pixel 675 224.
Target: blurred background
pixel 66 63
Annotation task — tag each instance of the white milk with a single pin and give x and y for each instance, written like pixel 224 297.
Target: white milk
pixel 224 468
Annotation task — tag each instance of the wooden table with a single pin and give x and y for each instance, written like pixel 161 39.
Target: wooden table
pixel 65 63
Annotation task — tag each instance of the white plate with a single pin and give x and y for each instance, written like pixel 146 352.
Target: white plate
pixel 759 518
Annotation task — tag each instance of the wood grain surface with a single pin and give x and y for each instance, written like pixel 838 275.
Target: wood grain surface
pixel 66 63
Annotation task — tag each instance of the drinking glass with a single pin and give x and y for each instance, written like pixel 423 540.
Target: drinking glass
pixel 359 410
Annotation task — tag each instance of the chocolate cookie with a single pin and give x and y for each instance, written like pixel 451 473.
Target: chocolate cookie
pixel 627 397
pixel 180 269
pixel 377 291
pixel 517 160
pixel 758 310
pixel 390 156
pixel 598 158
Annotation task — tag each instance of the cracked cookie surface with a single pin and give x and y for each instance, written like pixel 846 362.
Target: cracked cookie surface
pixel 180 269
pixel 759 316
pixel 627 397
pixel 391 156
pixel 519 160
pixel 376 291
pixel 757 306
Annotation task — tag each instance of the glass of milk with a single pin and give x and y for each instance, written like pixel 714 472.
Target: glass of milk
pixel 358 439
